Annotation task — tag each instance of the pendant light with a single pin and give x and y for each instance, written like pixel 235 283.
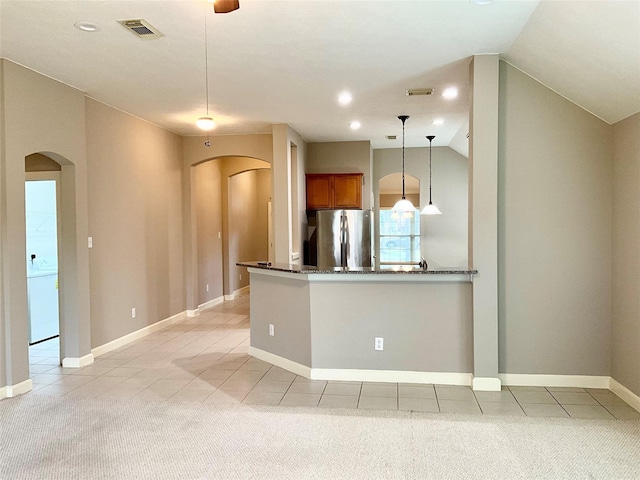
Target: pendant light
pixel 403 206
pixel 206 123
pixel 430 209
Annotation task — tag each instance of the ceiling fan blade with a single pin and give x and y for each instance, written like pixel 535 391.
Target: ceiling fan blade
pixel 225 6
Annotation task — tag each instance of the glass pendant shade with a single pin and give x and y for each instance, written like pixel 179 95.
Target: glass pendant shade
pixel 205 123
pixel 403 206
pixel 430 209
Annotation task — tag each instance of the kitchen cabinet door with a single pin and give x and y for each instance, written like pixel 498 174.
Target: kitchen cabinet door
pixel 334 190
pixel 347 191
pixel 319 192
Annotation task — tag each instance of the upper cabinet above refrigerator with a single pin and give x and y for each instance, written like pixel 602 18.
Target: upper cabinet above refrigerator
pixel 326 191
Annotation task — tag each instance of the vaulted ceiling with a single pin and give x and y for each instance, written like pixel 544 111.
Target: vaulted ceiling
pixel 286 61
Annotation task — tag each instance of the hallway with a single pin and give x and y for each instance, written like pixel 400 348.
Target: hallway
pixel 204 360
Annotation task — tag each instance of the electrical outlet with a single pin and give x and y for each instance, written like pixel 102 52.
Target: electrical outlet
pixel 90 242
pixel 133 313
pixel 207 287
pixel 272 331
pixel 378 343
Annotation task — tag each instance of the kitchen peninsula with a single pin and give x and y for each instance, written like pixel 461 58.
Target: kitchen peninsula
pixel 327 323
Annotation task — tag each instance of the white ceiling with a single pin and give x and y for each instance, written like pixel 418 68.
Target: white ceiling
pixel 286 61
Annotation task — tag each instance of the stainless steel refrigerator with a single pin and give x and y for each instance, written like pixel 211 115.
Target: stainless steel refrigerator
pixel 344 238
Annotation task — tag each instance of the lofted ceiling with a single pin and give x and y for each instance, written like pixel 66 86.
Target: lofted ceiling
pixel 286 61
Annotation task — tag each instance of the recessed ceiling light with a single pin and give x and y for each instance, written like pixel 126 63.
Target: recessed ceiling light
pixel 87 26
pixel 450 93
pixel 483 2
pixel 355 125
pixel 438 121
pixel 344 98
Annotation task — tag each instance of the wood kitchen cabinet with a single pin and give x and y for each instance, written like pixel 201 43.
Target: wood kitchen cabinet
pixel 334 190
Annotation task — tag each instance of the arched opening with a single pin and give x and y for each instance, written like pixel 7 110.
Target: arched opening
pixel 42 195
pixel 57 271
pixel 398 236
pixel 230 197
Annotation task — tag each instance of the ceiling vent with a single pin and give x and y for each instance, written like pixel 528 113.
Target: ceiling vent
pixel 419 91
pixel 391 137
pixel 141 28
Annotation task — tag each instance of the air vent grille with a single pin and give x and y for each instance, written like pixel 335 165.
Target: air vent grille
pixel 419 91
pixel 391 137
pixel 141 28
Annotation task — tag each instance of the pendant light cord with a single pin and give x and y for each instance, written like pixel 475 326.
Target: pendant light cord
pixel 206 72
pixel 429 172
pixel 430 138
pixel 206 60
pixel 403 159
pixel 403 118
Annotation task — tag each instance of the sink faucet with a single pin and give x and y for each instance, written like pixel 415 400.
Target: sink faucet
pixel 423 263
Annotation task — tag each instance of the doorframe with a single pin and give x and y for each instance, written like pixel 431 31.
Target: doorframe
pixel 49 175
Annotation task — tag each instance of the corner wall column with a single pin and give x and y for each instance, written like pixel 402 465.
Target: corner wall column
pixel 281 192
pixel 483 218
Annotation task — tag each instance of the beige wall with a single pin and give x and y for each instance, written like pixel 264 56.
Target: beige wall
pixel 343 157
pixel 135 219
pixel 249 193
pixel 40 115
pixel 554 232
pixel 230 167
pixel 207 193
pixel 41 163
pixel 444 237
pixel 625 315
pixel 288 207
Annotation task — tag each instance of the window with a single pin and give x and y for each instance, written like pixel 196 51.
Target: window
pixel 399 238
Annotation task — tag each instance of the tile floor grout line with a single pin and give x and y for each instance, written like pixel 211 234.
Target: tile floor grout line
pixel 225 335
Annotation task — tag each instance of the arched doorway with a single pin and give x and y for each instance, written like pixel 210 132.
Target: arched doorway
pixel 74 337
pixel 224 195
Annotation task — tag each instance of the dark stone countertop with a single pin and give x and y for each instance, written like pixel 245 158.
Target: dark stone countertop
pixel 306 269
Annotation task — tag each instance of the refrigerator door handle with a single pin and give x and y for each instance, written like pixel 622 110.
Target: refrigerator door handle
pixel 346 254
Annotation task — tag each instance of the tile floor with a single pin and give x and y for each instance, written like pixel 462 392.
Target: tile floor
pixel 204 359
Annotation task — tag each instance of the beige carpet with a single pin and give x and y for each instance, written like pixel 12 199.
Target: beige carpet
pixel 80 438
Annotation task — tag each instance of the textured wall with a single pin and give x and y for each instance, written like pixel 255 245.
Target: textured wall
pixel 555 190
pixel 135 218
pixel 208 205
pixel 625 315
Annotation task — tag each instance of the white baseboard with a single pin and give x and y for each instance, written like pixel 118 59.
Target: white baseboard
pixel 533 380
pixel 75 362
pixel 625 394
pixel 14 390
pixel 236 293
pixel 486 384
pixel 392 376
pixel 211 303
pixel 356 375
pixel 143 332
pixel 193 313
pixel 281 362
